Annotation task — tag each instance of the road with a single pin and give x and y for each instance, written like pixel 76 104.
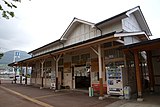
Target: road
pixel 8 99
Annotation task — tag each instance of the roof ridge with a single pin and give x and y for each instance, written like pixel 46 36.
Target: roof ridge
pixel 122 13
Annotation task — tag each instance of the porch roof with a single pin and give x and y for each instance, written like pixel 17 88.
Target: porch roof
pixel 89 42
pixel 143 46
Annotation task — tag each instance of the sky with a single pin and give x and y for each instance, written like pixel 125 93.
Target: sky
pixel 39 22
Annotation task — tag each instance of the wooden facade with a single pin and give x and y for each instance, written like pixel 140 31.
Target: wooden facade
pixel 86 49
pixel 152 49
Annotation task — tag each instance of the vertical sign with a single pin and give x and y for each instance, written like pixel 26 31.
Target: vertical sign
pixel 17 54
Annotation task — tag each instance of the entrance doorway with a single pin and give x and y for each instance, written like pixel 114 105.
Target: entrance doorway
pixel 82 77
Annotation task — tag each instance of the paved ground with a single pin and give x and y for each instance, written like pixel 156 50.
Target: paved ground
pixel 150 100
pixel 10 100
pixel 16 95
pixel 55 99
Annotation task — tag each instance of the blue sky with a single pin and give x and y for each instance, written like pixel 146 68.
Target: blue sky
pixel 39 22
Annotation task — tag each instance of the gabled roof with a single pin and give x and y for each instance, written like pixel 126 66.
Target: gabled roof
pixel 119 16
pixel 74 22
pixel 136 11
pixel 56 41
pixel 138 14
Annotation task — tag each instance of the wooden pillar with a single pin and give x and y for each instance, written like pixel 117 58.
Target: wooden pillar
pixel 56 68
pixel 36 73
pixel 138 74
pixel 100 70
pixel 42 72
pixel 15 70
pixel 45 79
pixel 26 74
pixel 150 69
pixel 56 74
pixel 21 75
pixel 53 74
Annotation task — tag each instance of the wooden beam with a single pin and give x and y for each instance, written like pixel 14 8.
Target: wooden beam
pixel 75 48
pixel 42 72
pixel 21 74
pixel 86 45
pixel 26 74
pixel 150 69
pixel 145 47
pixel 138 75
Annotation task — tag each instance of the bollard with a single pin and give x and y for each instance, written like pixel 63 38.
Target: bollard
pixel 127 92
pixel 91 91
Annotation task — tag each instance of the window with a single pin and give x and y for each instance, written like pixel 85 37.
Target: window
pixel 85 57
pixel 106 45
pixel 75 59
pixel 48 64
pixel 60 62
pixel 113 53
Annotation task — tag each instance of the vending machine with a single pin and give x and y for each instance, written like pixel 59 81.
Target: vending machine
pixel 115 83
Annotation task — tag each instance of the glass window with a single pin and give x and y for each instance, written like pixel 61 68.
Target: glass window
pixel 113 53
pixel 60 62
pixel 75 59
pixel 85 57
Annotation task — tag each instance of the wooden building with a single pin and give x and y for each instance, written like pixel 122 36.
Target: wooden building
pixel 146 70
pixel 85 51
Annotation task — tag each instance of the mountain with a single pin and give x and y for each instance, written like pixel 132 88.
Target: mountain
pixel 8 56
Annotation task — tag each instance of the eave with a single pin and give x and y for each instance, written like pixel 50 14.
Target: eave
pixel 100 39
pixel 143 46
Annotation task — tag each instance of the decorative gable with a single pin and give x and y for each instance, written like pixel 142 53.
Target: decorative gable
pixel 137 21
pixel 78 31
pixel 130 24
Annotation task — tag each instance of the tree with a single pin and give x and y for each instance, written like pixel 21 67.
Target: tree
pixel 1 54
pixel 6 13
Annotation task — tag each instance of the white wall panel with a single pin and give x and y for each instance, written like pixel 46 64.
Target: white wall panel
pixel 130 24
pixel 68 79
pixel 130 40
pixel 80 33
pixel 117 26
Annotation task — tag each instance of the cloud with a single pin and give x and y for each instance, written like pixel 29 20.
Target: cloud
pixel 39 22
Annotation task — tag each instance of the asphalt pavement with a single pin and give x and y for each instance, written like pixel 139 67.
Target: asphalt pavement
pixel 18 95
pixel 10 100
pixel 65 98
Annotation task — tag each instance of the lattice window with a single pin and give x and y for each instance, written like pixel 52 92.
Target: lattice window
pixel 113 53
pixel 85 57
pixel 60 62
pixel 75 59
